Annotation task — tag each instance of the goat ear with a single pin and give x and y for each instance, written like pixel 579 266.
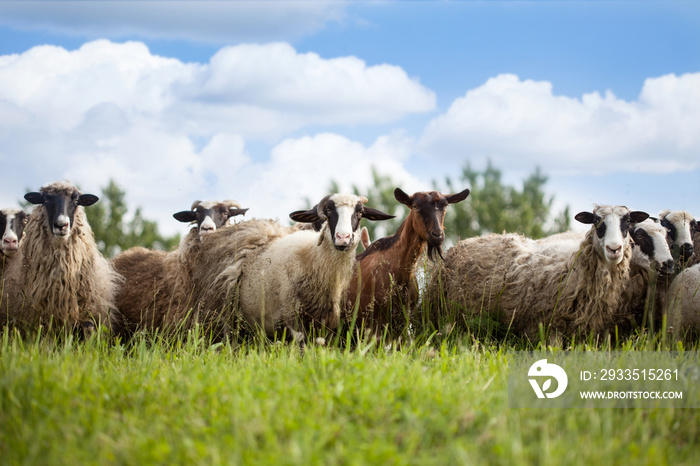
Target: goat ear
pixel 185 216
pixel 364 237
pixel 586 217
pixel 402 197
pixel 86 200
pixel 232 212
pixel 374 214
pixel 34 198
pixel 453 198
pixel 306 216
pixel 637 216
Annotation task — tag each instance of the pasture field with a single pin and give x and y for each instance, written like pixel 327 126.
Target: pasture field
pixel 156 401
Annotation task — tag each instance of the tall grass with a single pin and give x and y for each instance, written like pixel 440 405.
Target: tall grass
pixel 185 400
pixel 438 397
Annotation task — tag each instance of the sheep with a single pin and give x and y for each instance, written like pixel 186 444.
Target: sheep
pixel 158 291
pixel 651 265
pixel 683 304
pixel 384 276
pixel 12 223
pixel 210 215
pixel 289 278
pixel 681 228
pixel 59 273
pixel 527 285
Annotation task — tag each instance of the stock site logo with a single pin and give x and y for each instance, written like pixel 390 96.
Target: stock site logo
pixel 542 369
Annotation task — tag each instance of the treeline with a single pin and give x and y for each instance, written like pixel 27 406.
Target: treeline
pixel 492 206
pixel 114 234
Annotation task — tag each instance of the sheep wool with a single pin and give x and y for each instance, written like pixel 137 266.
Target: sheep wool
pixel 64 281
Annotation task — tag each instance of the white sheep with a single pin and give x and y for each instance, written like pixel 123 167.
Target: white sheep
pixel 59 274
pixel 288 278
pixel 681 228
pixel 683 304
pixel 527 284
pixel 12 223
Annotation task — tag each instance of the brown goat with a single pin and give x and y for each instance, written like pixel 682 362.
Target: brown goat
pixel 384 273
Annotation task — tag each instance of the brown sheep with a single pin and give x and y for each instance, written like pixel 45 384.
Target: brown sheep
pixel 159 290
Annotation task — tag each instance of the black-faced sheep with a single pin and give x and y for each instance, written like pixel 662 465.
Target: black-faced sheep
pixel 159 289
pixel 384 275
pixel 12 223
pixel 59 274
pixel 527 285
pixel 210 215
pixel 289 278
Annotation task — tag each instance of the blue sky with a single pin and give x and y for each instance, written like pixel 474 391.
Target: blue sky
pixel 266 102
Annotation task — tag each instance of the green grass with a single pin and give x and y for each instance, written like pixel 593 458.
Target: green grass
pixel 160 401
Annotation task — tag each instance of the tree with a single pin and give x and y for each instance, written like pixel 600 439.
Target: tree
pixel 490 207
pixel 493 207
pixel 113 235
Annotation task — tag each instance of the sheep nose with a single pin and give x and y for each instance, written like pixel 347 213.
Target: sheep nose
pixel 613 249
pixel 667 266
pixel 343 237
pixel 207 229
pixel 686 250
pixel 10 241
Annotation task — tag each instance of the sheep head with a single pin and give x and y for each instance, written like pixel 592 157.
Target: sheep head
pixel 338 216
pixel 60 201
pixel 210 215
pixel 611 225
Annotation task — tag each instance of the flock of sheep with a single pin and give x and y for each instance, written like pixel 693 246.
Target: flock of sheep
pixel 293 280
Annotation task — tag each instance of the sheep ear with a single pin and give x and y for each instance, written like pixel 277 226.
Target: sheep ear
pixel 697 226
pixel 232 212
pixel 87 200
pixel 453 198
pixel 586 217
pixel 34 198
pixel 185 216
pixel 637 216
pixel 374 214
pixel 306 216
pixel 402 197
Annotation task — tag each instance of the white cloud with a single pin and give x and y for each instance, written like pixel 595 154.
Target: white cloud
pixel 303 168
pixel 519 124
pixel 298 169
pixel 170 132
pixel 258 91
pixel 206 21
